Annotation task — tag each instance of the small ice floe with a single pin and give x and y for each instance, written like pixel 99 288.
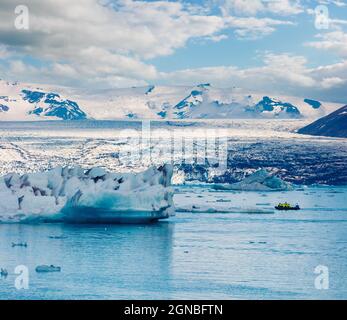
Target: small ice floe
pixel 3 273
pixel 257 242
pixel 87 196
pixel 57 237
pixel 260 180
pixel 20 244
pixel 222 200
pixel 215 209
pixel 45 268
pixel 256 211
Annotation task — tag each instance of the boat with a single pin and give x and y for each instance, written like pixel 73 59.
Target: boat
pixel 286 207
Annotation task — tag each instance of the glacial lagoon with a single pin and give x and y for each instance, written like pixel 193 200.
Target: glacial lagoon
pixel 220 244
pixel 194 255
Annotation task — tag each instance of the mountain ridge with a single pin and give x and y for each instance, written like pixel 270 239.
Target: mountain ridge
pixel 332 125
pixel 19 102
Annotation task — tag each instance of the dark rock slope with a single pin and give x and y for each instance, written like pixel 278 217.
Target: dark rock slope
pixel 333 125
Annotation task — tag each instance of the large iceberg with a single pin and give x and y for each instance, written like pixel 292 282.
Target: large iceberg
pixel 87 196
pixel 260 180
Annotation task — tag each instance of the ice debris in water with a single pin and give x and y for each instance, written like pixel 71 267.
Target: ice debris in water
pixel 78 194
pixel 45 268
pixel 3 273
pixel 260 180
pixel 21 244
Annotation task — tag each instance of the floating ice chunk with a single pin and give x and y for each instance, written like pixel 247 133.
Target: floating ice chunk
pixel 3 273
pixel 260 180
pixel 94 195
pixel 219 209
pixel 20 244
pixel 45 268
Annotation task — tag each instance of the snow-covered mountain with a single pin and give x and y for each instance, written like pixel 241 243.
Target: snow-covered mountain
pixel 27 102
pixel 52 105
pixel 31 102
pixel 333 125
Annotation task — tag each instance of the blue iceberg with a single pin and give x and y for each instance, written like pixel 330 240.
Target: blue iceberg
pixel 260 180
pixel 87 196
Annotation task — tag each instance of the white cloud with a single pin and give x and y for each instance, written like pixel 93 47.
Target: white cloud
pixel 254 7
pixel 285 7
pixel 4 52
pixel 335 41
pixel 280 73
pixel 217 38
pixel 17 66
pixel 146 29
pixel 328 83
pixel 338 23
pixel 253 28
pixel 338 3
pixel 337 70
pixel 249 7
pixel 79 41
pixel 110 41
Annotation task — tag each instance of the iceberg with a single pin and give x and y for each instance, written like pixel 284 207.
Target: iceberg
pixel 260 180
pixel 87 196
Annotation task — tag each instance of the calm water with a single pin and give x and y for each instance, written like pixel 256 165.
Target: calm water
pixel 192 256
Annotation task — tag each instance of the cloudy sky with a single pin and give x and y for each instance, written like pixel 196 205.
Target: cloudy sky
pixel 278 46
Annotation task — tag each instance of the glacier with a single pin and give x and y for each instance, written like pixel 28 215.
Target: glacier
pixel 273 145
pixel 77 195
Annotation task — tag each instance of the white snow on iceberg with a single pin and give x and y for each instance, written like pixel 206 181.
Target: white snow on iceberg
pixel 87 196
pixel 260 180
